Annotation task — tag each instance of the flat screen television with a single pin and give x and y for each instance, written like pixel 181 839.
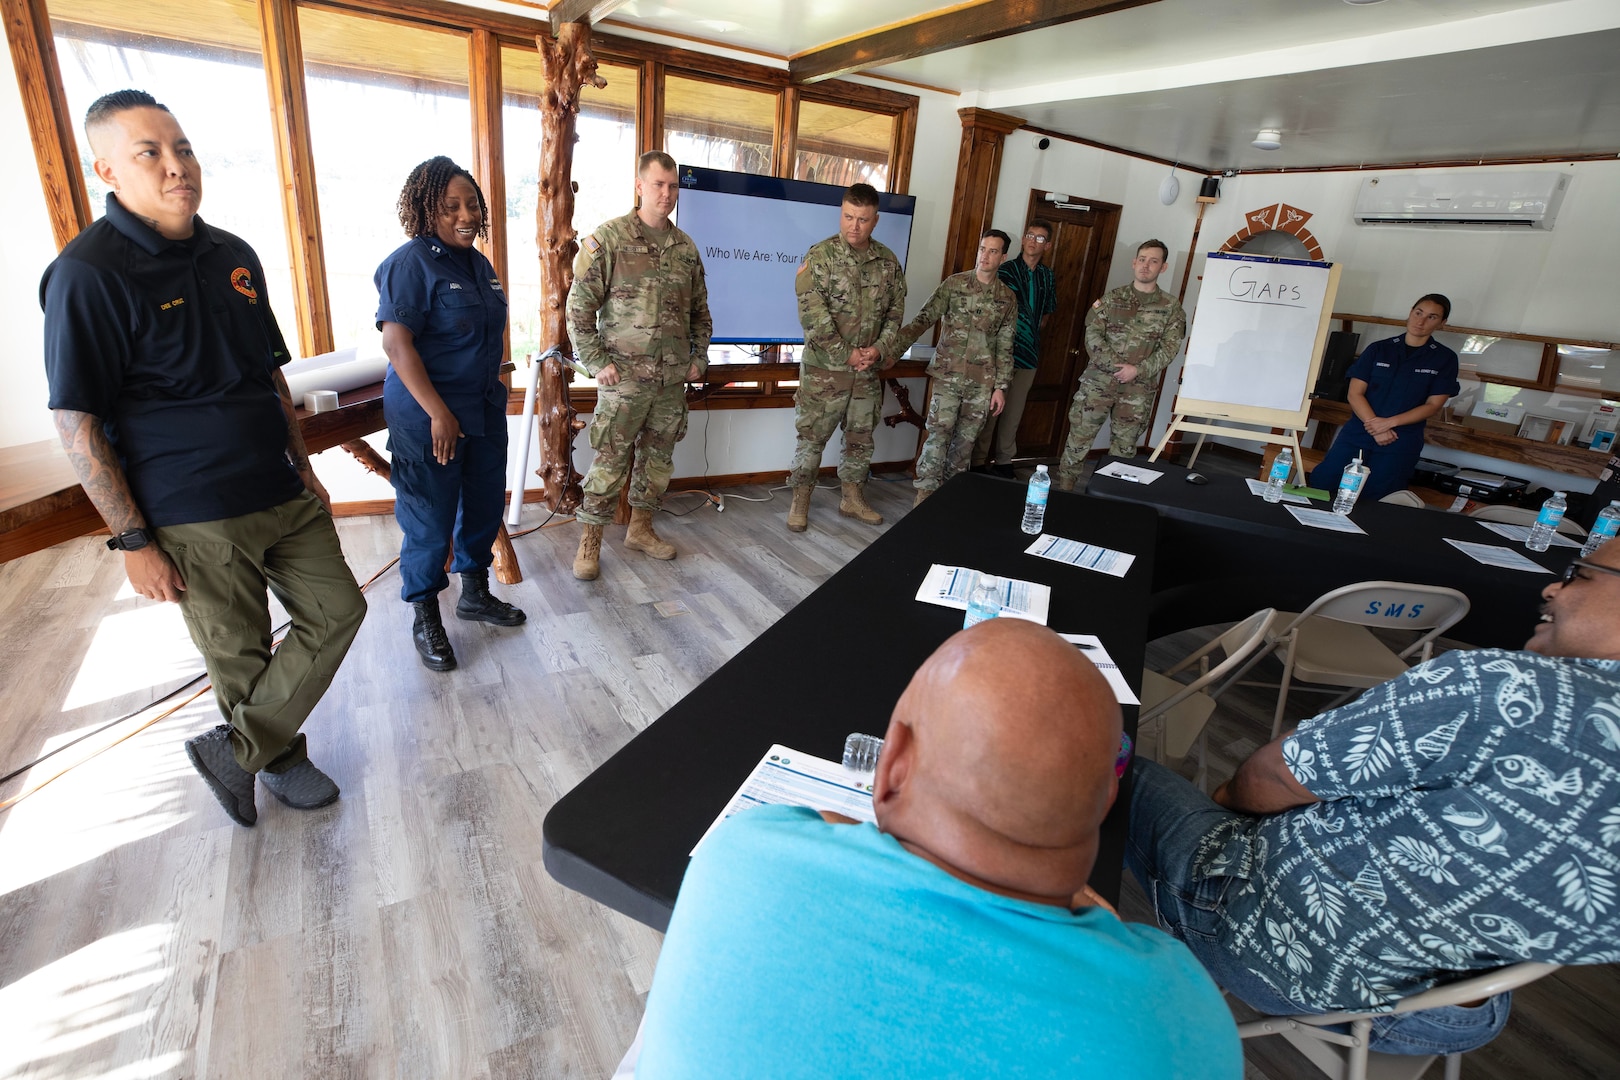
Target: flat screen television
pixel 753 233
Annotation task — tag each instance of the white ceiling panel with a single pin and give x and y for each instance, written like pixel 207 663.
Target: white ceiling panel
pixel 1194 80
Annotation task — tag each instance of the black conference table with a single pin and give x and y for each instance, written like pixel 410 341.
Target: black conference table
pixel 833 665
pixel 1224 553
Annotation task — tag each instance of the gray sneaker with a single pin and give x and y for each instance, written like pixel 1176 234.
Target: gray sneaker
pixel 211 755
pixel 302 787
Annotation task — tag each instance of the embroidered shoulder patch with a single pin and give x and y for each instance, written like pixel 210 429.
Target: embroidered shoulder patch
pixel 591 244
pixel 1096 303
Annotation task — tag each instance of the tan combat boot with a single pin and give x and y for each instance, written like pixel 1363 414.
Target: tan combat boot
pixel 588 559
pixel 640 535
pixel 853 504
pixel 799 512
pixel 922 493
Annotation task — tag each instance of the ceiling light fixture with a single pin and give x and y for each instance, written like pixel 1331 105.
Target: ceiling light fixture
pixel 1362 3
pixel 1269 139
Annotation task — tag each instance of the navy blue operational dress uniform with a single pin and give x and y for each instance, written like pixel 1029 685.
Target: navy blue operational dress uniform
pixel 453 304
pixel 1398 377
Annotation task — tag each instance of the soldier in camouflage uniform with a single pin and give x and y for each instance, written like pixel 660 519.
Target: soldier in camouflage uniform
pixel 852 298
pixel 972 366
pixel 638 315
pixel 1132 334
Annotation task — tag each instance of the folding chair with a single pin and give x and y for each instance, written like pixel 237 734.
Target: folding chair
pixel 1523 515
pixel 1404 498
pixel 1177 712
pixel 1329 644
pixel 1346 1057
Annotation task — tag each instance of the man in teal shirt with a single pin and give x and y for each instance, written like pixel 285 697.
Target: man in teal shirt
pixel 957 937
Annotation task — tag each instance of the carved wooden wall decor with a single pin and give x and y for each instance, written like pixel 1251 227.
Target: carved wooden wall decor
pixel 1279 217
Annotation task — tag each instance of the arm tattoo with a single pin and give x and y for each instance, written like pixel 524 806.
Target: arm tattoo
pixel 96 465
pixel 295 435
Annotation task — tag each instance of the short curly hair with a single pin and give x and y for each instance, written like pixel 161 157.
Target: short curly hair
pixel 423 195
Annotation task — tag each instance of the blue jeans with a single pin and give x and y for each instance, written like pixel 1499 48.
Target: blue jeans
pixel 1169 820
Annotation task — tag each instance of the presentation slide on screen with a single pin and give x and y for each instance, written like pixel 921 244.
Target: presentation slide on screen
pixel 753 232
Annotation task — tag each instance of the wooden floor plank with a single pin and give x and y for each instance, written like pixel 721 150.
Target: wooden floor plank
pixel 410 930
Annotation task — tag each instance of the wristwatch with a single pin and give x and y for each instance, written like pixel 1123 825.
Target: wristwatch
pixel 132 540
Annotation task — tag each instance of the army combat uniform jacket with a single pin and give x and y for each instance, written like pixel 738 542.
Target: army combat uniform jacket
pixel 640 303
pixel 1131 327
pixel 977 338
pixel 850 299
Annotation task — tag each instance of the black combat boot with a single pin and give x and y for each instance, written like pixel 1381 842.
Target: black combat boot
pixel 428 635
pixel 477 605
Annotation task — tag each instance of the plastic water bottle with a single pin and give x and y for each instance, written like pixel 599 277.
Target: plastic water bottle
pixel 1547 522
pixel 861 752
pixel 1040 486
pixel 1351 482
pixel 1281 468
pixel 984 602
pixel 1603 529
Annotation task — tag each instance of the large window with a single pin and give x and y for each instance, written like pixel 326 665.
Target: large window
pixel 842 146
pixel 386 90
pixel 604 169
pixel 383 97
pixel 211 76
pixel 718 125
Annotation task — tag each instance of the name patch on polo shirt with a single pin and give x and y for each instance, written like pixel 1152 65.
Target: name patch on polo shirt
pixel 176 302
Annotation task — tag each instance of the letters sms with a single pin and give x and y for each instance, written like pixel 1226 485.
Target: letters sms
pixel 1393 611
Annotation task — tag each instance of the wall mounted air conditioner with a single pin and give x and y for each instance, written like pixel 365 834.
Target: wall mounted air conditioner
pixel 1495 199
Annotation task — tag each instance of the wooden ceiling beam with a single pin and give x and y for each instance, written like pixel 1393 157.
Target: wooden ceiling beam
pixel 948 30
pixel 564 12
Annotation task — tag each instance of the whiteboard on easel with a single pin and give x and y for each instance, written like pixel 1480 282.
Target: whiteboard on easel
pixel 1257 339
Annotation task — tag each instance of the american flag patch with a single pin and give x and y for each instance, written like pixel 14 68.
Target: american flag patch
pixel 592 244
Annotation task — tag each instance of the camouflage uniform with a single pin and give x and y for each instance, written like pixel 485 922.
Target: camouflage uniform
pixel 974 359
pixel 640 303
pixel 1124 327
pixel 848 299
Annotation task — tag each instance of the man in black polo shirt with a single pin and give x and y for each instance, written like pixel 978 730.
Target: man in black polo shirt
pixel 163 359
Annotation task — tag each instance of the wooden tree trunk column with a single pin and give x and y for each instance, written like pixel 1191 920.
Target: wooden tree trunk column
pixel 569 65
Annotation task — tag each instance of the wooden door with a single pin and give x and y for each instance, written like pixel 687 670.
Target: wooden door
pixel 1081 251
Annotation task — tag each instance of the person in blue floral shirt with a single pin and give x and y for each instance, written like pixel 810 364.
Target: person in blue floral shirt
pixel 1459 818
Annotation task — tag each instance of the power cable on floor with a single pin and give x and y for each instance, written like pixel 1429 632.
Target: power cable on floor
pixel 276 638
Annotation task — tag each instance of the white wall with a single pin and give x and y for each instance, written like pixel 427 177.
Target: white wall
pixel 1085 172
pixel 1560 281
pixel 1528 281
pixel 28 249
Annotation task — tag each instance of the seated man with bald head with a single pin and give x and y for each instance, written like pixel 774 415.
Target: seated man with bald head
pixel 954 938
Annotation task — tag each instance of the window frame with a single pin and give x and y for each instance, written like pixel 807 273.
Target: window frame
pixel 488 32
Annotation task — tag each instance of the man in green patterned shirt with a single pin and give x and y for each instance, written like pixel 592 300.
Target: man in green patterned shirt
pixel 1032 282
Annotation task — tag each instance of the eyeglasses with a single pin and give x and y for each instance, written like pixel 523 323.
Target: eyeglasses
pixel 1039 238
pixel 1571 572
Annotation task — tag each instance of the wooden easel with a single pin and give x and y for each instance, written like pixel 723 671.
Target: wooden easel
pixel 1255 423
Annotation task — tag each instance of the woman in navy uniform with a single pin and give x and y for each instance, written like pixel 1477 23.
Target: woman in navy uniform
pixel 1395 386
pixel 442 314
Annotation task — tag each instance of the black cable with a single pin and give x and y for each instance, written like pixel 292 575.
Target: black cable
pixel 189 683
